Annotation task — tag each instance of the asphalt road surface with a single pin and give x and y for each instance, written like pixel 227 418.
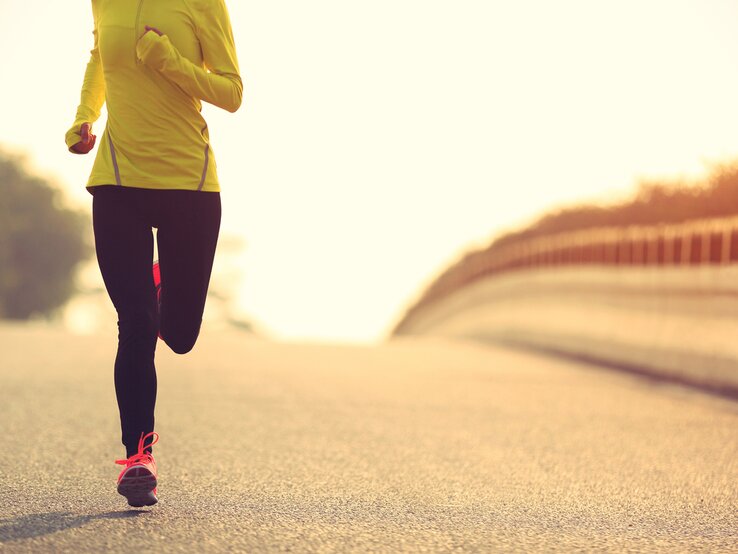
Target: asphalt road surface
pixel 416 445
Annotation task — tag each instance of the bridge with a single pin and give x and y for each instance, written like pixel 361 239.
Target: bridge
pixel 657 300
pixel 449 437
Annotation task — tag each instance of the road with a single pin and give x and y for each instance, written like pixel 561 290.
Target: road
pixel 417 445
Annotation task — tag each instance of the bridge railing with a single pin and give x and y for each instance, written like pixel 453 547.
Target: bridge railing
pixel 694 242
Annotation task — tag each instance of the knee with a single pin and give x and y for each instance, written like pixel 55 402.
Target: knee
pixel 181 333
pixel 181 344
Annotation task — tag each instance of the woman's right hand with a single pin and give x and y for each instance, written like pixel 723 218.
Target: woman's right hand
pixel 88 139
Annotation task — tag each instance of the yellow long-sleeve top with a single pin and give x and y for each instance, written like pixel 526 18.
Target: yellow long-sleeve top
pixel 155 136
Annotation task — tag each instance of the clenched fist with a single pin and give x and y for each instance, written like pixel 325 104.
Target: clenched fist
pixel 88 140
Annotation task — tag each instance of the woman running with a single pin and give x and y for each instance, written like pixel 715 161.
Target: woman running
pixel 152 63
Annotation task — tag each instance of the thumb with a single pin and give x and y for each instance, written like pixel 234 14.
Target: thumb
pixel 85 132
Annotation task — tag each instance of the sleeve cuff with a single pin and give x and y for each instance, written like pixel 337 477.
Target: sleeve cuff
pixel 72 137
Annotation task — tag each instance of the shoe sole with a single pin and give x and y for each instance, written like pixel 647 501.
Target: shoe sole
pixel 137 484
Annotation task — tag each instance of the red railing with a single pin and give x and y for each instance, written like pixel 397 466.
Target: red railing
pixel 696 242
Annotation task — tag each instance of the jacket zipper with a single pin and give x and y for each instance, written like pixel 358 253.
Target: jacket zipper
pixel 135 30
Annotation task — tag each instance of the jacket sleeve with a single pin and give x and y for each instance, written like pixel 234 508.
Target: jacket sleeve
pixel 219 82
pixel 92 96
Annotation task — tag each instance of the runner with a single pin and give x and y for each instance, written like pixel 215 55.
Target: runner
pixel 152 63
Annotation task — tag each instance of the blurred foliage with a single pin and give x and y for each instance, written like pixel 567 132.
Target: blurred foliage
pixel 41 243
pixel 655 202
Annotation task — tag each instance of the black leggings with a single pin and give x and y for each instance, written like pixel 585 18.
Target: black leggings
pixel 188 223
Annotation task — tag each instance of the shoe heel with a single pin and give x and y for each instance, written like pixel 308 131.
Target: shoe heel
pixel 137 485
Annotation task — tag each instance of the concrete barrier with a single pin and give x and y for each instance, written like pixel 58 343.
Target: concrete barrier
pixel 672 322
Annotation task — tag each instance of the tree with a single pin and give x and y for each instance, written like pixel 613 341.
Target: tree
pixel 41 243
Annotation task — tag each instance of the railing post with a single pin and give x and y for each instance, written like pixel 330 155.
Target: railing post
pixel 686 256
pixel 623 248
pixel 727 243
pixel 706 245
pixel 652 247
pixel 627 248
pixel 668 246
pixel 637 249
pixel 610 248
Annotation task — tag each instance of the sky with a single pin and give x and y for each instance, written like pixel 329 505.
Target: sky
pixel 378 141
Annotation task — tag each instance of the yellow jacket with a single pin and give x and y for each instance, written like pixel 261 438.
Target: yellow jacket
pixel 155 136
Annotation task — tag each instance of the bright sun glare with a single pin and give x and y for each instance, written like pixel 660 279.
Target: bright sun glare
pixel 377 141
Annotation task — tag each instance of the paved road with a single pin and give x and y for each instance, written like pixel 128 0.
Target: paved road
pixel 419 445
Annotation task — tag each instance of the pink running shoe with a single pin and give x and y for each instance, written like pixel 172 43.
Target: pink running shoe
pixel 157 284
pixel 137 482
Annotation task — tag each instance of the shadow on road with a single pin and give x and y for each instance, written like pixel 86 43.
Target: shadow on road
pixel 651 375
pixel 36 525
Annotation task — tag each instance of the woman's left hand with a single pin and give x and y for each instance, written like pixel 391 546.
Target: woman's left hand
pixel 157 31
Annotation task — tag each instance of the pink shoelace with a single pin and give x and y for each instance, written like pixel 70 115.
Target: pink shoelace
pixel 140 457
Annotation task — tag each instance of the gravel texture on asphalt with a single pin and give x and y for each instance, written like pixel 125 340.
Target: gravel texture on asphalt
pixel 414 445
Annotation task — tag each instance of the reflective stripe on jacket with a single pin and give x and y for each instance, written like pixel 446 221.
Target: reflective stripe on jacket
pixel 155 136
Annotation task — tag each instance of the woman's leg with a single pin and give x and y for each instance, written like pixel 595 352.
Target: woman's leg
pixel 124 245
pixel 187 237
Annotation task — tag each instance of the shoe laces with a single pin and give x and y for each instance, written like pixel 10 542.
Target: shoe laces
pixel 140 457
